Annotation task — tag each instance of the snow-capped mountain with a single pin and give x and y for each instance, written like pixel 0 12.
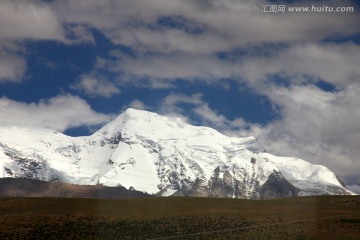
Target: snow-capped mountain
pixel 161 155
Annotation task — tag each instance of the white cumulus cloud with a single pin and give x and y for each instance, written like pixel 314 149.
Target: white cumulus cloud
pixel 29 20
pixel 59 113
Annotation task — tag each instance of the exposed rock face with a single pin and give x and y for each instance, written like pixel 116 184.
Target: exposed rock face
pixel 221 186
pixel 226 186
pixel 277 186
pixel 197 189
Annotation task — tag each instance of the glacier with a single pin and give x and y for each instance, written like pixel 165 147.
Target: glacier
pixel 162 155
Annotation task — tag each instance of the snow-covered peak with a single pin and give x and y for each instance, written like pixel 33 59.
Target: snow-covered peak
pixel 140 123
pixel 155 153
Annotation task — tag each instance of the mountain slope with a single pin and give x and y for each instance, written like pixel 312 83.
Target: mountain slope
pixel 23 187
pixel 164 155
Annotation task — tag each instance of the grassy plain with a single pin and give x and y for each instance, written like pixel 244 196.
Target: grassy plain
pixel 325 217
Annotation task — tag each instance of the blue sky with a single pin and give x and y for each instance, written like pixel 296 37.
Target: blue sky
pixel 290 79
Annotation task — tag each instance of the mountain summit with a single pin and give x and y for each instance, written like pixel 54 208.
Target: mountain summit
pixel 161 155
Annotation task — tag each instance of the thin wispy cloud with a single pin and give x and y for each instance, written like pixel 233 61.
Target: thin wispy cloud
pixel 93 86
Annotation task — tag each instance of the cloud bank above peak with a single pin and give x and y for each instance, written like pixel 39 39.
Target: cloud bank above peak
pixel 209 26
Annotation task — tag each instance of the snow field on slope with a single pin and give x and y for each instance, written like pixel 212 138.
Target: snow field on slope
pixel 133 167
pixel 300 170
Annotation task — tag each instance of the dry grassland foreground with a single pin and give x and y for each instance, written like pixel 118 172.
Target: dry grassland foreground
pixel 325 217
